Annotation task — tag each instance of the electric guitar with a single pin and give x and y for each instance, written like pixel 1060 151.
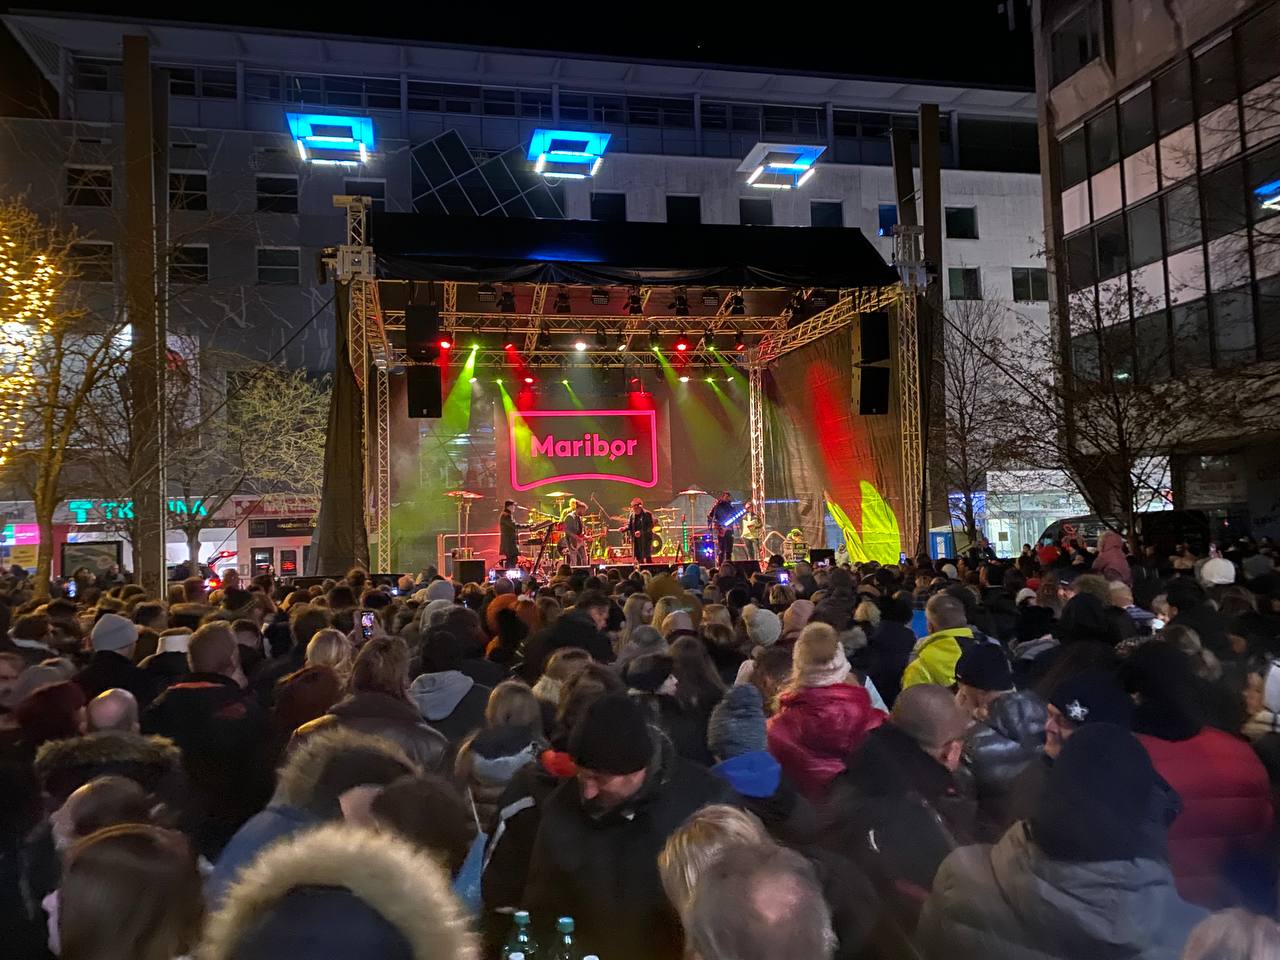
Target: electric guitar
pixel 722 528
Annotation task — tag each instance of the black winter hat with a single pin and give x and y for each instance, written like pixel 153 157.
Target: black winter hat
pixel 612 737
pixel 1093 696
pixel 648 672
pixel 985 667
pixel 1096 799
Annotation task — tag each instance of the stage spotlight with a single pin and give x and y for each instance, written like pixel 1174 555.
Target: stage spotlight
pixel 599 296
pixel 579 345
pixel 565 382
pixel 562 301
pixel 739 342
pixel 498 381
pixel 684 379
pixel 711 379
pixel 622 341
pixel 655 341
pixel 737 305
pixel 486 293
pixel 544 339
pixel 709 340
pixel 682 343
pixel 679 304
pixel 507 302
pixel 528 379
pixel 711 298
pixel 474 379
pixel 445 343
pixel 635 306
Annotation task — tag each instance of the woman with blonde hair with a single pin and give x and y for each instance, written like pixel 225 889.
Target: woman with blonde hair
pixel 698 841
pixel 513 704
pixel 329 647
pixel 664 607
pixel 1233 935
pixel 636 612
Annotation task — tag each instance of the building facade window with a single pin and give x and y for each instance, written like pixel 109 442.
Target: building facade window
pixel 278 266
pixel 1076 41
pixel 682 209
pixel 188 190
pixel 755 211
pixel 189 263
pixel 1030 284
pixel 277 193
pixel 887 215
pixel 375 190
pixel 962 223
pixel 1137 122
pixel 964 283
pixel 89 187
pixel 609 207
pixel 93 261
pixel 826 213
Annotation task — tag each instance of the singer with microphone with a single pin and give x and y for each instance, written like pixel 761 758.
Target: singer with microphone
pixel 508 541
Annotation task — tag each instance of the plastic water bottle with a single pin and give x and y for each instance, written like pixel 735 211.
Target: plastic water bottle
pixel 564 948
pixel 521 945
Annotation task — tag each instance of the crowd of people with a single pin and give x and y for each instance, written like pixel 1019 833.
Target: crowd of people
pixel 1065 756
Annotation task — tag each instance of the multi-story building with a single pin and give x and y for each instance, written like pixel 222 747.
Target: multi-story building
pixel 1160 154
pixel 452 124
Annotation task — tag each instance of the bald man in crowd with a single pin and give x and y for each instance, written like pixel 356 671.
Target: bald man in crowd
pixel 115 710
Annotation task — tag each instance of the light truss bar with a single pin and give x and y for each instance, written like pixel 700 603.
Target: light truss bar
pixel 382 470
pixel 840 314
pixel 703 362
pixel 908 372
pixel 755 418
pixel 563 323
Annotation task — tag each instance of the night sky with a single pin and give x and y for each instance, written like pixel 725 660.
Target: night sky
pixel 956 41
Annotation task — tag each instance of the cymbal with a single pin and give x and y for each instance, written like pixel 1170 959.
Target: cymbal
pixel 464 495
pixel 557 495
pixel 691 492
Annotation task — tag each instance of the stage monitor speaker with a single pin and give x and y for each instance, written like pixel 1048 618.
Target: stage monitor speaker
pixel 468 571
pixel 872 390
pixel 817 556
pixel 423 389
pixel 873 334
pixel 422 331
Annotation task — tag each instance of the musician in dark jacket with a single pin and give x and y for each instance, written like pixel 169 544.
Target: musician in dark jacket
pixel 640 530
pixel 722 517
pixel 508 540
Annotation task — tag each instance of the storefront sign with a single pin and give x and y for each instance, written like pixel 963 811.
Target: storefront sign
pixel 273 527
pixel 100 511
pixel 556 446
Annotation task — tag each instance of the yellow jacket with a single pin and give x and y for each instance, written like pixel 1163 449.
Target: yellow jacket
pixel 934 658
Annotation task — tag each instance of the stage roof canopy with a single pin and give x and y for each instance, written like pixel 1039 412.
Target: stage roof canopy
pixel 411 246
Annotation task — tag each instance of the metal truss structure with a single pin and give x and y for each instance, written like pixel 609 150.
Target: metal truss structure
pixel 376 345
pixel 909 257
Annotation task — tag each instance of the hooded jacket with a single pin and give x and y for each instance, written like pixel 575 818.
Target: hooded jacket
pixel 816 729
pixel 154 763
pixel 486 764
pixel 451 702
pixel 381 715
pixel 336 892
pixel 935 656
pixel 602 870
pixel 1111 560
pixel 996 753
pixel 1011 902
pixel 301 801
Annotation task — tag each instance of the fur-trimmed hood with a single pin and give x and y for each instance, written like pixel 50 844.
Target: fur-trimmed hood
pixel 64 765
pixel 299 776
pixel 407 889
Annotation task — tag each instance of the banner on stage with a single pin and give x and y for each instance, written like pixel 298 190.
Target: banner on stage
pixel 557 446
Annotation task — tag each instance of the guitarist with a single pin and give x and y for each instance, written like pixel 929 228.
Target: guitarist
pixel 640 529
pixel 574 543
pixel 721 519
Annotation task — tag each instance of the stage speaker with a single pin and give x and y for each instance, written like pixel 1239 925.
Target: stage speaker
pixel 422 331
pixel 872 390
pixel 816 556
pixel 468 571
pixel 423 389
pixel 873 337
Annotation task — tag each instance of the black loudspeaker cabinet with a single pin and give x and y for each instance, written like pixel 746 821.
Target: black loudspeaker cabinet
pixel 872 390
pixel 421 331
pixel 423 390
pixel 468 571
pixel 873 335
pixel 819 555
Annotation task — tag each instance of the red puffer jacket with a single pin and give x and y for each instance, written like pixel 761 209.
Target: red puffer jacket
pixel 1226 810
pixel 815 731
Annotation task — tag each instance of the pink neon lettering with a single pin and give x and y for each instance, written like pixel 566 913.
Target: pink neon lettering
pixel 544 447
pixel 591 445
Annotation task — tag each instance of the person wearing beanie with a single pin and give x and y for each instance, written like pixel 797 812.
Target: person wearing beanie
pixel 652 683
pixel 1081 878
pixel 762 625
pixel 1006 738
pixel 441 590
pixel 795 618
pixel 596 854
pixel 738 740
pixel 823 715
pixel 113 639
pixel 1222 832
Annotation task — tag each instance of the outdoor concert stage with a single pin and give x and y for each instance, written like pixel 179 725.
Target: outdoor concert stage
pixel 486 359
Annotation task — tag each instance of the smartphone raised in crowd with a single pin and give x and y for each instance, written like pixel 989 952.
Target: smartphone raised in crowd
pixel 71 588
pixel 784 577
pixel 366 623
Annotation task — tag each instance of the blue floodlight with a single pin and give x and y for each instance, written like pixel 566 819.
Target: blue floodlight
pixel 330 138
pixel 780 166
pixel 567 154
pixel 1268 195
